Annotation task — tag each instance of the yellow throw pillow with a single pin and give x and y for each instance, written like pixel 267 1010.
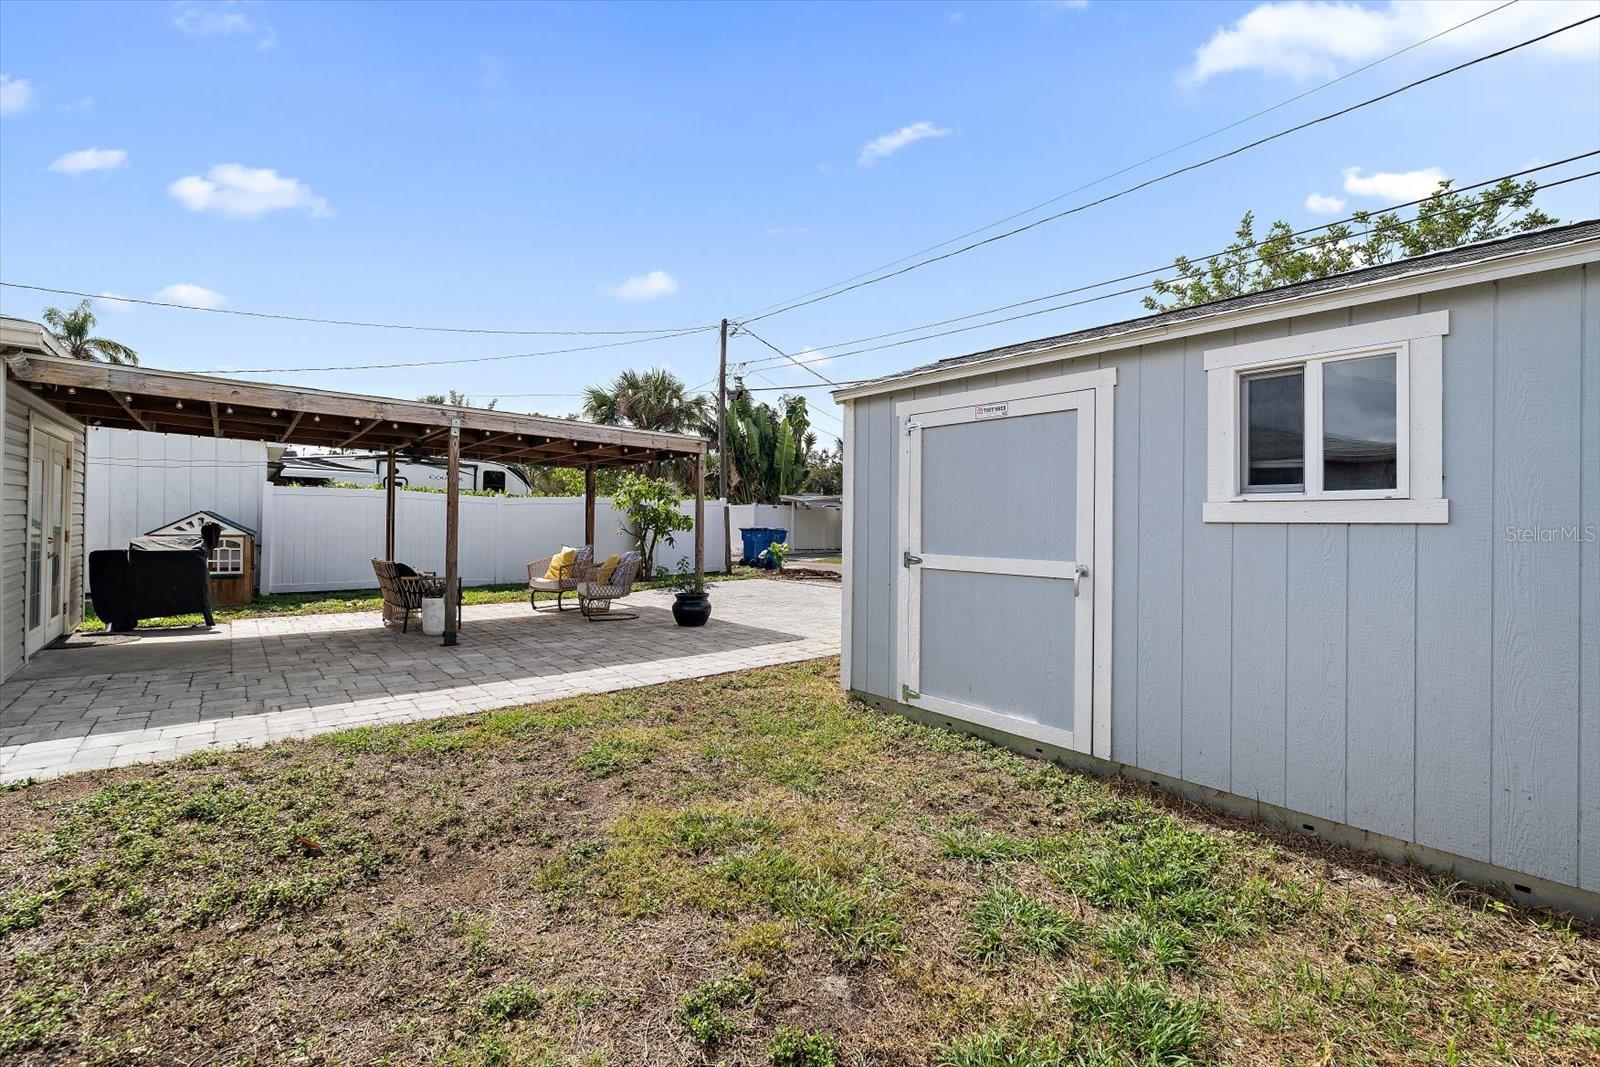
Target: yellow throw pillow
pixel 608 568
pixel 560 564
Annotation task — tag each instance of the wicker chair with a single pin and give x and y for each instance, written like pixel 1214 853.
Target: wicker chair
pixel 578 571
pixel 594 598
pixel 403 590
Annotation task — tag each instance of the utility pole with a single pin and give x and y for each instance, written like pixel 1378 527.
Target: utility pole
pixel 722 449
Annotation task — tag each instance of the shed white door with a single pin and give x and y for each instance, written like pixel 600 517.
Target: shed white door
pixel 49 534
pixel 998 545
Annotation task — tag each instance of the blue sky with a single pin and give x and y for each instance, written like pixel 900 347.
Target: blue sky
pixel 632 167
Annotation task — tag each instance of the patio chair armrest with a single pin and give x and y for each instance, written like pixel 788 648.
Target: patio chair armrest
pixel 537 568
pixel 423 585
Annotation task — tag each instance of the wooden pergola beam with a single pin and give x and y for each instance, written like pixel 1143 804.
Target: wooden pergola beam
pixel 175 402
pixel 132 414
pixel 289 429
pixel 368 428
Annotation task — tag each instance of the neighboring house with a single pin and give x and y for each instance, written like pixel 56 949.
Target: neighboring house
pixel 232 564
pixel 1327 555
pixel 371 468
pixel 41 509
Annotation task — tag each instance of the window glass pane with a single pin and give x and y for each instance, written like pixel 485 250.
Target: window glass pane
pixel 1275 432
pixel 1359 423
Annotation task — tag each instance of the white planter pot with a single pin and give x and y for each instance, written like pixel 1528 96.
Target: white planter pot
pixel 433 615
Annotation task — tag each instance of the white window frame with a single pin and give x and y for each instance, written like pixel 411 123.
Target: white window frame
pixel 1417 343
pixel 234 547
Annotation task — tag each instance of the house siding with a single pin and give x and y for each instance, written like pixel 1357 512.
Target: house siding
pixel 1439 684
pixel 22 413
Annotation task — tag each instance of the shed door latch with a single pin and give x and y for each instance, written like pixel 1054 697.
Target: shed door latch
pixel 908 560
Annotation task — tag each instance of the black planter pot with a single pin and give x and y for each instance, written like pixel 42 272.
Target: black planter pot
pixel 691 609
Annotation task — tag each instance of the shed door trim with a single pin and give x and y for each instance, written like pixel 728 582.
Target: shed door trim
pixel 1096 434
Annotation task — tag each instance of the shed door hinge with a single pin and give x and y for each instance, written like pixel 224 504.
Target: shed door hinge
pixel 908 560
pixel 912 425
pixel 908 694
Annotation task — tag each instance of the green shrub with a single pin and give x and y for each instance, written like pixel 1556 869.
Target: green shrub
pixel 798 1048
pixel 702 1013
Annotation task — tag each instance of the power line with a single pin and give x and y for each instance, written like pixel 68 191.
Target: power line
pixel 1174 173
pixel 351 322
pixel 453 362
pixel 797 388
pixel 809 410
pixel 787 356
pixel 1169 266
pixel 1087 300
pixel 1151 159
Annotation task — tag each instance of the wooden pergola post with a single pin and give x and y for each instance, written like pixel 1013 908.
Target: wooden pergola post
pixel 700 511
pixel 452 534
pixel 389 500
pixel 588 504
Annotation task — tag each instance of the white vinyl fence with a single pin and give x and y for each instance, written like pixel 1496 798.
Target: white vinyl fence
pixel 138 481
pixel 324 539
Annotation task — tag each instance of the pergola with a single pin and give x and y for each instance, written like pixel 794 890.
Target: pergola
pixel 140 398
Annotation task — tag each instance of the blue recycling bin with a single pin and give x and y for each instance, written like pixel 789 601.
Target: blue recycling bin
pixel 755 540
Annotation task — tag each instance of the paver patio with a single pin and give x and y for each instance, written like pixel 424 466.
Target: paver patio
pixel 112 700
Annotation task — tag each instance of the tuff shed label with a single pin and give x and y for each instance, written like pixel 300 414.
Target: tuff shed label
pixel 990 411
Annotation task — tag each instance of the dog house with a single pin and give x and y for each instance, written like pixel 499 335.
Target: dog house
pixel 233 561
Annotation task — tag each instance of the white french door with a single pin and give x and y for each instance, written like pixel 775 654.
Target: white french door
pixel 998 558
pixel 48 563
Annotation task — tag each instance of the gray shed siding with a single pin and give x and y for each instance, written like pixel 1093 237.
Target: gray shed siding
pixel 20 412
pixel 1437 683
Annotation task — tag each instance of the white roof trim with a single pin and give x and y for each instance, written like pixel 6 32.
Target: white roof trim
pixel 20 333
pixel 1576 252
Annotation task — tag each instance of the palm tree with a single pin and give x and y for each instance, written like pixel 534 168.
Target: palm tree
pixel 654 399
pixel 647 400
pixel 72 329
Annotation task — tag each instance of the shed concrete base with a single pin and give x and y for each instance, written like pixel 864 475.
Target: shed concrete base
pixel 1523 889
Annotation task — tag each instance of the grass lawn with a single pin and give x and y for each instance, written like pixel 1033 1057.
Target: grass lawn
pixel 741 870
pixel 362 600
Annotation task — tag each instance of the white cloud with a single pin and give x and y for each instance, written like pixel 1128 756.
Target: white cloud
pixel 190 295
pixel 1396 186
pixel 15 94
pixel 223 18
pixel 1307 39
pixel 648 286
pixel 1054 7
pixel 245 192
pixel 113 302
pixel 1318 204
pixel 85 160
pixel 890 143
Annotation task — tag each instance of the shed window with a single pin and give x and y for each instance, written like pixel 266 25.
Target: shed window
pixel 1360 424
pixel 1344 425
pixel 227 559
pixel 1275 431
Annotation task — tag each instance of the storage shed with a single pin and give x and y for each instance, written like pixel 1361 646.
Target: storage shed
pixel 232 564
pixel 1328 555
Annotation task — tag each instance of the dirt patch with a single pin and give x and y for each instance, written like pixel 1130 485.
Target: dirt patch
pixel 740 870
